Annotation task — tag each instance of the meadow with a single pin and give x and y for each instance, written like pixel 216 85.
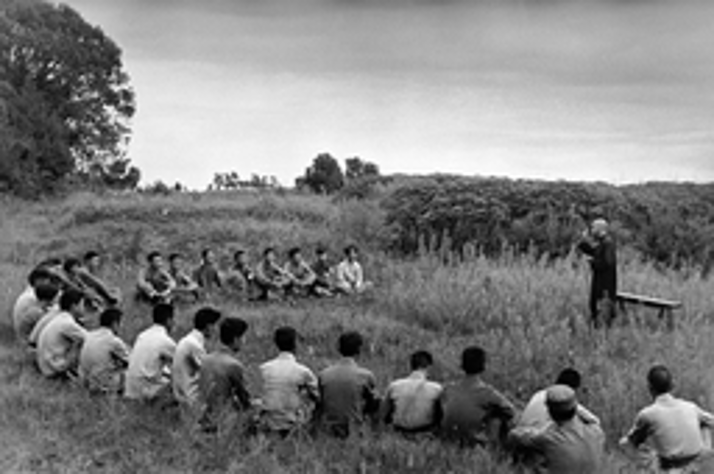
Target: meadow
pixel 529 312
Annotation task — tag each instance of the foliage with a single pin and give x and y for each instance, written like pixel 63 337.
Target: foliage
pixel 355 168
pixel 231 181
pixel 67 101
pixel 324 176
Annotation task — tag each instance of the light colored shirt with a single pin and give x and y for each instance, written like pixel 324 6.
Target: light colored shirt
pixel 24 301
pixel 102 361
pixel 23 311
pixel 672 426
pixel 26 320
pixel 288 390
pixel 149 363
pixel 536 415
pixel 567 448
pixel 349 276
pixel 41 324
pixel 59 344
pixel 186 367
pixel 414 399
pixel 347 392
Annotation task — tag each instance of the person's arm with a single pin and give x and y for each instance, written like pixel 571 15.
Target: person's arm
pixel 526 436
pixel 310 385
pixel 706 419
pixel 241 395
pixel 359 276
pixel 586 416
pixel 144 284
pixel 638 434
pixel 120 354
pixel 195 358
pixel 370 395
pixel 341 279
pixel 388 407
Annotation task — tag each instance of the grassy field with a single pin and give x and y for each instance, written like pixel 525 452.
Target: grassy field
pixel 528 313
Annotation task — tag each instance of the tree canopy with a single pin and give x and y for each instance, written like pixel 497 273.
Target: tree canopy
pixel 65 101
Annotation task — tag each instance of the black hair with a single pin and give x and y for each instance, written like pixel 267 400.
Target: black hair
pixel 110 316
pixel 205 252
pixel 152 255
pixel 473 360
pixel 421 360
pixel 285 338
pixel 660 380
pixel 560 415
pixel 350 344
pixel 205 317
pixel 349 248
pixel 70 298
pixel 37 274
pixel 569 377
pixel 320 250
pixel 238 253
pixel 90 255
pixel 293 251
pixel 174 256
pixel 70 264
pixel 268 250
pixel 232 329
pixel 162 313
pixel 46 292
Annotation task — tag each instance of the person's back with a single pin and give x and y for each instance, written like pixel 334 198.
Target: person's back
pixel 104 356
pixel 25 321
pixel 60 341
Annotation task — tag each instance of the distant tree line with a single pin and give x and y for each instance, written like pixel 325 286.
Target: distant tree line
pixel 325 176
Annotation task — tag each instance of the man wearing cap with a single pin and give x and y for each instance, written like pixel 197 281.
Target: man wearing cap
pixel 599 247
pixel 672 427
pixel 567 445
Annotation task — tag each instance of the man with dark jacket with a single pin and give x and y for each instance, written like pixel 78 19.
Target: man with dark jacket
pixel 599 247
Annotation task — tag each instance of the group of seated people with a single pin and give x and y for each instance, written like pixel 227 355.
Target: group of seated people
pixel 553 433
pixel 267 280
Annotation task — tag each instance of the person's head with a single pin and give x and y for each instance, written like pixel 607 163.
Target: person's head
pixel 40 276
pixel 92 260
pixel 421 360
pixel 350 344
pixel 473 360
pixel 175 261
pixel 294 254
pixel 71 265
pixel 163 315
pixel 269 254
pixel 71 301
pixel 231 332
pixel 205 319
pixel 600 228
pixel 52 263
pixel 240 257
pixel 155 259
pixel 561 402
pixel 285 339
pixel 569 377
pixel 351 252
pixel 46 293
pixel 321 253
pixel 208 256
pixel 111 318
pixel 659 380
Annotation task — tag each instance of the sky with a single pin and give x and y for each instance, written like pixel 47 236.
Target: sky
pixel 611 90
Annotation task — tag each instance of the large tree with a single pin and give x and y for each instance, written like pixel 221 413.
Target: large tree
pixel 65 100
pixel 324 176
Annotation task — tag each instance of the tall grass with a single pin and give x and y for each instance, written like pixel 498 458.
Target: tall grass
pixel 530 314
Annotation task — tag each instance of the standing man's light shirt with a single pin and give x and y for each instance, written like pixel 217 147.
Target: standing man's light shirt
pixel 414 399
pixel 186 367
pixel 149 363
pixel 102 361
pixel 59 344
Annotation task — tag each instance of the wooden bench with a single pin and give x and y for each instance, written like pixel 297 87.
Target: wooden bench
pixel 666 307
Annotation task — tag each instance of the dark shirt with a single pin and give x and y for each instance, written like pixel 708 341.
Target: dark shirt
pixel 603 261
pixel 322 271
pixel 207 277
pixel 221 384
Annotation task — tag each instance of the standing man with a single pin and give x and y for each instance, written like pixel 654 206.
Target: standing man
pixel 599 247
pixel 672 427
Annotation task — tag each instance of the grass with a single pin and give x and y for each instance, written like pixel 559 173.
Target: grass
pixel 528 313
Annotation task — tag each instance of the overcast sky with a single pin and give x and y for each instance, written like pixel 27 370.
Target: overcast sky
pixel 614 90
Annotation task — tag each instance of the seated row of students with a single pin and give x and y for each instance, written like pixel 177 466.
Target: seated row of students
pixel 267 280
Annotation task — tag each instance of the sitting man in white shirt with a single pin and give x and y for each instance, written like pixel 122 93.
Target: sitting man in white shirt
pixel 190 351
pixel 60 341
pixel 290 389
pixel 672 427
pixel 349 277
pixel 27 300
pixel 26 320
pixel 412 403
pixel 104 356
pixel 148 376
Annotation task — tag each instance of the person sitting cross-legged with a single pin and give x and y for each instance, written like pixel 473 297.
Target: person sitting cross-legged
pixel 241 278
pixel 347 391
pixel 92 276
pixel 302 277
pixel 474 413
pixel 185 286
pixel 155 284
pixel 206 275
pixel 221 383
pixel 104 356
pixel 272 280
pixel 25 321
pixel 60 341
pixel 148 376
pixel 189 354
pixel 567 445
pixel 349 277
pixel 411 404
pixel 323 273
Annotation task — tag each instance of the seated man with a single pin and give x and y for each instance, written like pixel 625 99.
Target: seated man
pixel 104 356
pixel 412 403
pixel 289 388
pixel 207 275
pixel 92 277
pixel 567 444
pixel 271 279
pixel 536 413
pixel 301 275
pixel 24 321
pixel 77 279
pixel 672 427
pixel 27 300
pixel 148 376
pixel 347 391
pixel 349 278
pixel 323 273
pixel 60 341
pixel 185 286
pixel 221 384
pixel 241 278
pixel 155 284
pixel 189 354
pixel 474 413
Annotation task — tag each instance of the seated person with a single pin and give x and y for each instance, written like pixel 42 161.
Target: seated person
pixel 28 299
pixel 25 321
pixel 302 277
pixel 104 356
pixel 473 412
pixel 271 278
pixel 241 278
pixel 323 273
pixel 207 275
pixel 155 284
pixel 221 384
pixel 78 279
pixel 185 286
pixel 93 278
pixel 412 403
pixel 349 278
pixel 347 391
pixel 60 341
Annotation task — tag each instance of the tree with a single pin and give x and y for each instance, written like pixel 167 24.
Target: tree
pixel 355 168
pixel 324 176
pixel 66 100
